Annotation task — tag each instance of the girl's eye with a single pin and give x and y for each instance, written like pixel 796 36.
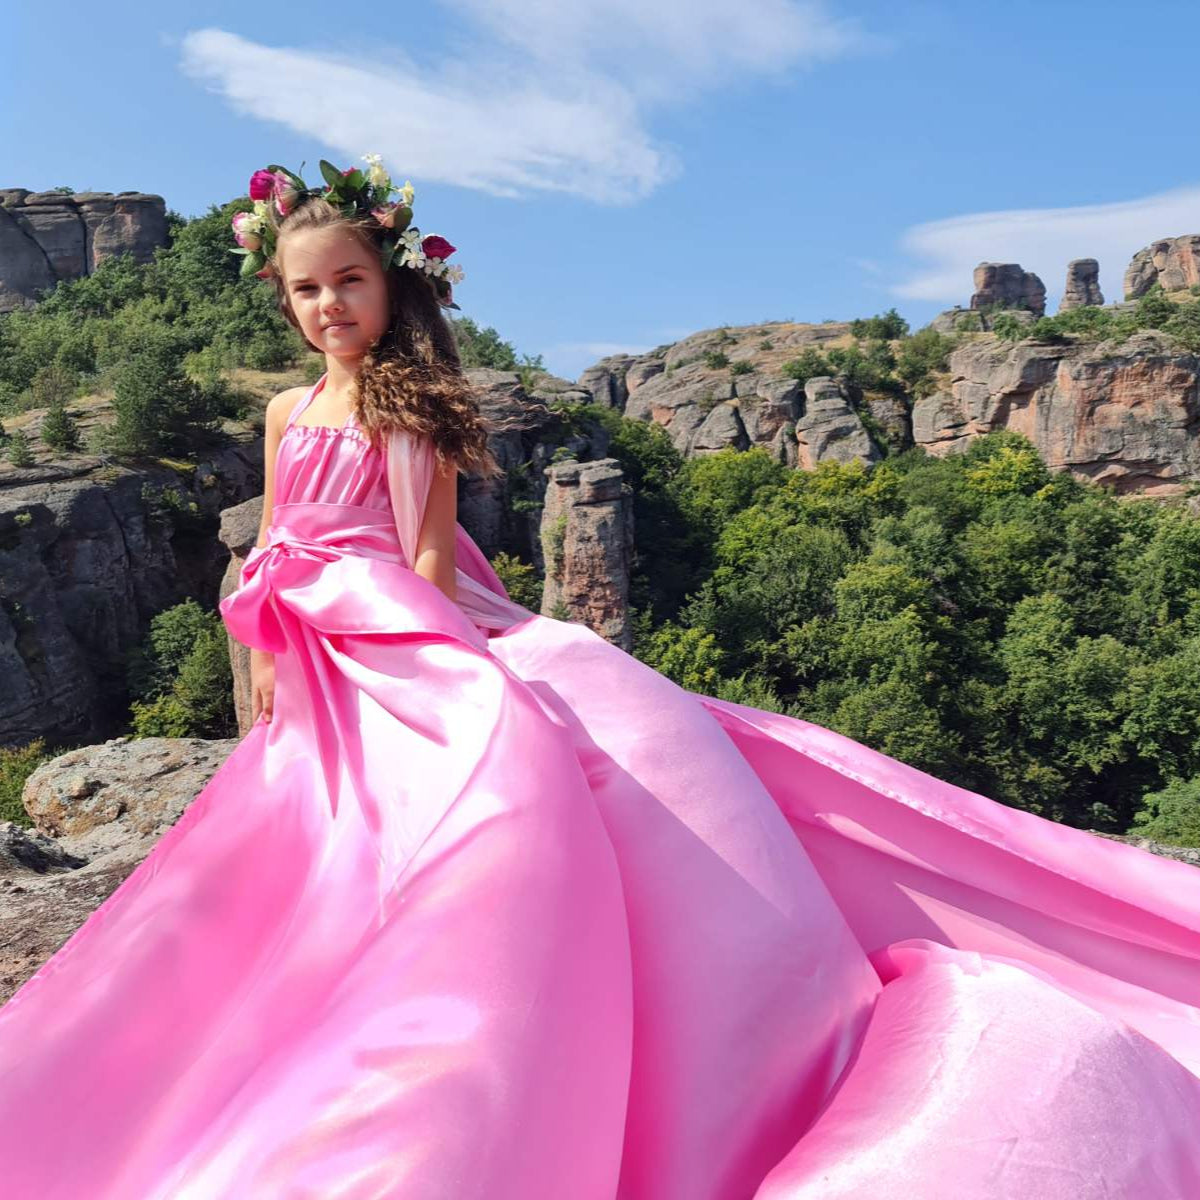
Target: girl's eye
pixel 304 287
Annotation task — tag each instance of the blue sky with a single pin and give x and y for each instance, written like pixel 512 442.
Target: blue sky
pixel 620 173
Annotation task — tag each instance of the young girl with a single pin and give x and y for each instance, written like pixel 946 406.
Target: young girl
pixel 488 908
pixel 392 363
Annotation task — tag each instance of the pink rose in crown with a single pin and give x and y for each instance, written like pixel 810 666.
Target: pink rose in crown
pixel 262 184
pixel 286 195
pixel 436 246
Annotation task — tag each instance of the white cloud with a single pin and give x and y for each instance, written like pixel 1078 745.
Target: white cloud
pixel 539 95
pixel 660 47
pixel 1044 240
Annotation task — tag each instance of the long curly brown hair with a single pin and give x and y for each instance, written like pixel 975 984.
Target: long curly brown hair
pixel 412 378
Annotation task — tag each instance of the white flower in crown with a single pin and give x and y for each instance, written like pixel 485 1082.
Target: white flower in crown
pixel 411 239
pixel 454 273
pixel 407 194
pixel 414 259
pixel 377 176
pixel 247 230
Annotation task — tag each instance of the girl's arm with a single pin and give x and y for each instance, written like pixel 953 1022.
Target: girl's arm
pixel 435 544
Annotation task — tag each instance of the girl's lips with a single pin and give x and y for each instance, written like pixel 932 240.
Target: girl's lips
pixel 340 325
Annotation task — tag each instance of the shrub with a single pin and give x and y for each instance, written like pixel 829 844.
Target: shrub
pixel 922 358
pixel 16 765
pixel 181 676
pixel 20 452
pixel 520 580
pixel 1171 815
pixel 808 364
pixel 887 326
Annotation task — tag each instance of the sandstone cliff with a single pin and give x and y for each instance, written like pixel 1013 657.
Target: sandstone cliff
pixel 1126 415
pixel 50 236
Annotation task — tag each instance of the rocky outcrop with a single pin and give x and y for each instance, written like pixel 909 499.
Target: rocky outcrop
pixel 1187 854
pixel 89 552
pixel 1083 285
pixel 1127 416
pixel 504 513
pixel 718 388
pixel 1006 285
pixel 96 813
pixel 46 237
pixel 830 428
pixel 587 545
pixel 1172 263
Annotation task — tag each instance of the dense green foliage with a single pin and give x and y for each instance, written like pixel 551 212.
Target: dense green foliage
pixel 181 678
pixel 909 366
pixel 1171 815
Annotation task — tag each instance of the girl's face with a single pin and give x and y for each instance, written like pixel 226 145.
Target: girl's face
pixel 337 290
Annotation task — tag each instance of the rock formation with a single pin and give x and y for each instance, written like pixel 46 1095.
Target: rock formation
pixel 50 236
pixel 587 544
pixel 97 812
pixel 830 427
pixel 1127 416
pixel 1173 263
pixel 1083 284
pixel 1006 285
pixel 88 554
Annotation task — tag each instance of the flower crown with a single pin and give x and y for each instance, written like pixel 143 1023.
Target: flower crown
pixel 276 191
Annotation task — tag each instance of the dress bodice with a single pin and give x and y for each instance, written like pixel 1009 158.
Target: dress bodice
pixel 328 463
pixel 337 495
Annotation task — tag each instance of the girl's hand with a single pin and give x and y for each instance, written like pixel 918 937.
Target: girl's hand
pixel 262 683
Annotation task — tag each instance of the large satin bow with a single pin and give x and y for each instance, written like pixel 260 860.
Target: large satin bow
pixel 251 608
pixel 343 572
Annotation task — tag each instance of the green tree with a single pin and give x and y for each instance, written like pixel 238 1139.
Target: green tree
pixel 181 676
pixel 160 410
pixel 20 452
pixel 1172 814
pixel 889 325
pixel 922 358
pixel 520 580
pixel 482 347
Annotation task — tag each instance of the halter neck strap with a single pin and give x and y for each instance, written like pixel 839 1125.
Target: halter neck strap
pixel 308 399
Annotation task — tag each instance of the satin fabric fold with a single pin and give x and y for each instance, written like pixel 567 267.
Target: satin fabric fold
pixel 492 909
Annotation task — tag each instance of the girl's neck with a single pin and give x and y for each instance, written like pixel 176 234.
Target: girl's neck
pixel 340 382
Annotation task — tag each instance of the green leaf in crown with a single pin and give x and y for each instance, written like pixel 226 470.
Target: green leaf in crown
pixel 252 263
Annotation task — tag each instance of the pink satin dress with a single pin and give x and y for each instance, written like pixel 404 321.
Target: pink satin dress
pixel 490 909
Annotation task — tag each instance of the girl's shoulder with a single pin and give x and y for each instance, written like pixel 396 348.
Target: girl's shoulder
pixel 280 407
